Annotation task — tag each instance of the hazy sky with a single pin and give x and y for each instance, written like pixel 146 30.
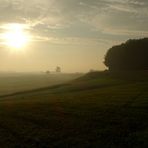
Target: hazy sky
pixel 73 34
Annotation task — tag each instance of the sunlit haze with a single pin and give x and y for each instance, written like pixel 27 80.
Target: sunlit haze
pixel 15 37
pixel 72 34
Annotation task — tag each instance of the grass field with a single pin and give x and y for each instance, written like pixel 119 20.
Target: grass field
pixel 14 82
pixel 97 110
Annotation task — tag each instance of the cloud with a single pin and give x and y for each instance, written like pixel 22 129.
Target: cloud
pixel 129 16
pixel 80 28
pixel 52 17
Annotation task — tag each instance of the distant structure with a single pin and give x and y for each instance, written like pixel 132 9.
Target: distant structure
pixel 58 69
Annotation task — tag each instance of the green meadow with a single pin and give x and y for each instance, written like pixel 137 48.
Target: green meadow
pixel 100 109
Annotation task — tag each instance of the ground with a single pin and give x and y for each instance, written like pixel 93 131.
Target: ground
pixel 96 110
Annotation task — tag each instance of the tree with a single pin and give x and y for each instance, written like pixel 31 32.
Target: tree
pixel 58 69
pixel 131 55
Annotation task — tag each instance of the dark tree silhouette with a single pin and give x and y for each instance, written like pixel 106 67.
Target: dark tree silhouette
pixel 131 55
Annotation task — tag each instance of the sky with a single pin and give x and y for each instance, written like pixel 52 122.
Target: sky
pixel 72 34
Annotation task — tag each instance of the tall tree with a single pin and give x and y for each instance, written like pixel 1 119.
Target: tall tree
pixel 131 55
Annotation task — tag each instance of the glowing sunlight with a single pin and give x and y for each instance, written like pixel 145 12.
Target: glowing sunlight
pixel 15 36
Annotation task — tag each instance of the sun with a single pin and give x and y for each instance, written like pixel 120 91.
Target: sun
pixel 15 37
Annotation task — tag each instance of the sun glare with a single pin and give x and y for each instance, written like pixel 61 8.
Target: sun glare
pixel 15 37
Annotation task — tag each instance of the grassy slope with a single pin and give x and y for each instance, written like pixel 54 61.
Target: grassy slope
pixel 95 110
pixel 14 82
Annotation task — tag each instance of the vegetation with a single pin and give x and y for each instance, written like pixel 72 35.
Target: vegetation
pixel 107 110
pixel 14 82
pixel 132 55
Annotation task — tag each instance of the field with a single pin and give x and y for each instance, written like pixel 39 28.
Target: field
pixel 96 110
pixel 14 82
